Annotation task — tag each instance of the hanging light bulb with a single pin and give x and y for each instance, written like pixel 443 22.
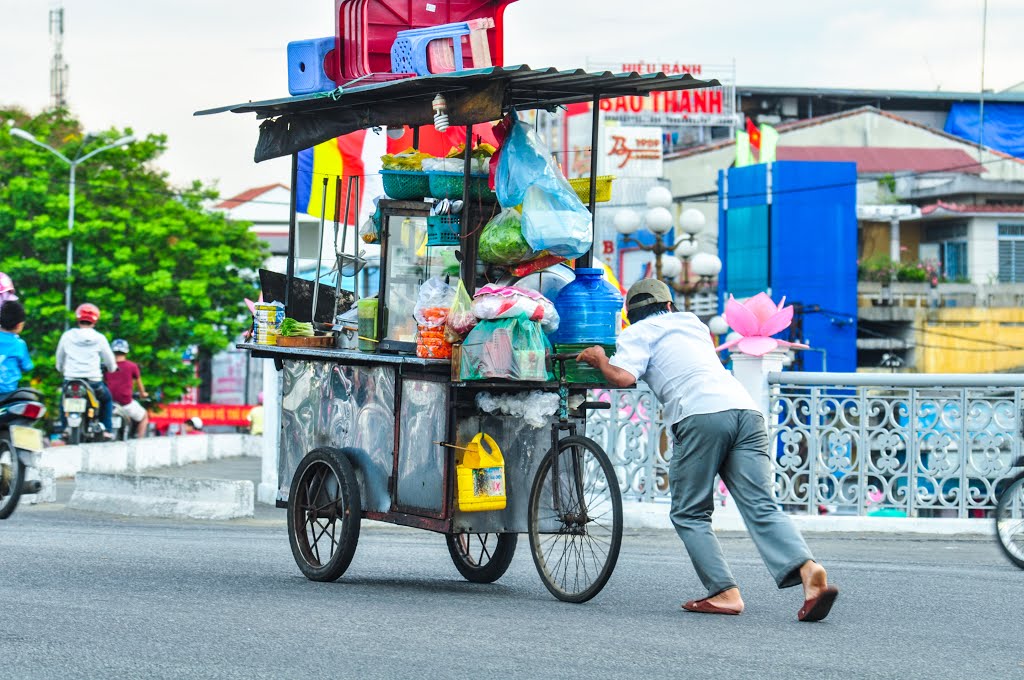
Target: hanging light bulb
pixel 396 132
pixel 440 113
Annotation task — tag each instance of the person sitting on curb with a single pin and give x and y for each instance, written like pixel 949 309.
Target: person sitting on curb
pixel 256 417
pixel 121 384
pixel 717 430
pixel 193 425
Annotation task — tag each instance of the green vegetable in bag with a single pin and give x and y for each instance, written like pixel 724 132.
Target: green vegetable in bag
pixel 502 242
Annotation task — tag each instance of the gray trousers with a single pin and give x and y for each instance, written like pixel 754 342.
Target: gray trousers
pixel 733 444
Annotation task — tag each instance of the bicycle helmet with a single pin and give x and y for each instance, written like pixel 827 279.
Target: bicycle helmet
pixel 120 346
pixel 87 312
pixel 6 288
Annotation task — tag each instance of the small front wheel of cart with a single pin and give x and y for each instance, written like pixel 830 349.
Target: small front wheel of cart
pixel 323 514
pixel 575 519
pixel 482 558
pixel 1010 521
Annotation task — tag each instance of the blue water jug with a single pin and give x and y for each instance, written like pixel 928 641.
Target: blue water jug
pixel 589 309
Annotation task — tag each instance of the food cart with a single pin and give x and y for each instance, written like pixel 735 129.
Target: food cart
pixel 378 435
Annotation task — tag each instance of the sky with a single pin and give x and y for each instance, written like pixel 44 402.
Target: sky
pixel 149 65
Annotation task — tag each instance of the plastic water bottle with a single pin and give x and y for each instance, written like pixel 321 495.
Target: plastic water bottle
pixel 589 310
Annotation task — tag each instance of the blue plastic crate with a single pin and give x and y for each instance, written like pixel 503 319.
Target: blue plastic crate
pixel 306 73
pixel 443 230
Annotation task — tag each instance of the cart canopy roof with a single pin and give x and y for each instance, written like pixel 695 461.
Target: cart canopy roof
pixel 473 96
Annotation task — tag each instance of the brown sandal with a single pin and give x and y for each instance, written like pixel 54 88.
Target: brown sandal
pixel 705 607
pixel 817 608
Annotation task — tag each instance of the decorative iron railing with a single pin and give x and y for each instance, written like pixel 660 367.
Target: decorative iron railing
pixel 913 445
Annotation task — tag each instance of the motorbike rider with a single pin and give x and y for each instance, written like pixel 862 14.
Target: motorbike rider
pixel 14 358
pixel 82 353
pixel 121 383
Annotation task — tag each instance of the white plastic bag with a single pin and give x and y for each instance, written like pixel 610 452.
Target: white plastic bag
pixel 434 301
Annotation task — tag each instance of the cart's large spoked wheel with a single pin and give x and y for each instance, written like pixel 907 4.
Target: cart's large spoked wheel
pixel 482 558
pixel 575 519
pixel 12 477
pixel 1010 521
pixel 323 514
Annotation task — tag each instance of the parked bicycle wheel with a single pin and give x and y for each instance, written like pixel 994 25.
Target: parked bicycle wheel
pixel 575 519
pixel 1010 521
pixel 12 477
pixel 482 558
pixel 323 514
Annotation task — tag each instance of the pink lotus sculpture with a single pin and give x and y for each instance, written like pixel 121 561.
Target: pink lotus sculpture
pixel 757 320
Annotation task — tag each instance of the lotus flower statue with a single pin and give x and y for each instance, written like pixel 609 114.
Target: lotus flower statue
pixel 757 320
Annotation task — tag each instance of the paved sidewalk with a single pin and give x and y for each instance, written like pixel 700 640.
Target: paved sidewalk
pixel 236 469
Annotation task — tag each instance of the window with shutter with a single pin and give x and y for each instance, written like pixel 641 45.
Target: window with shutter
pixel 1011 260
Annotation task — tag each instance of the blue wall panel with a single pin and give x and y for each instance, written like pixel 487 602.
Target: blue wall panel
pixel 813 227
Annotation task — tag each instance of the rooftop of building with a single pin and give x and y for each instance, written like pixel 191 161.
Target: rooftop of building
pixel 1009 96
pixel 247 196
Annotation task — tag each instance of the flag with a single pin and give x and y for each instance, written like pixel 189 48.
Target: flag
pixel 755 136
pixel 743 156
pixel 769 143
pixel 339 157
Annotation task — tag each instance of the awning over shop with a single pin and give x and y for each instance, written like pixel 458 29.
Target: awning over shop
pixel 473 96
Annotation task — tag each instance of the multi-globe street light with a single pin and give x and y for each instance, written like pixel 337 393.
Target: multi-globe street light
pixel 687 259
pixel 73 166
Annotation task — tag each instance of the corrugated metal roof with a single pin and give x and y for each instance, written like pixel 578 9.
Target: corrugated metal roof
pixel 878 95
pixel 525 88
pixel 872 160
pixel 943 208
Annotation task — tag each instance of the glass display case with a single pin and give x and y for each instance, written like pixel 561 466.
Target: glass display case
pixel 406 262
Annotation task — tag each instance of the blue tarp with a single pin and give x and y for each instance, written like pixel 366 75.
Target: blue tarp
pixel 1004 125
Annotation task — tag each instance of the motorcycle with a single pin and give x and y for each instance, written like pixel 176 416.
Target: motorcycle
pixel 20 445
pixel 122 424
pixel 81 412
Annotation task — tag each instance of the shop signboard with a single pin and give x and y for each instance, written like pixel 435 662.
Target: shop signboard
pixel 630 151
pixel 715 106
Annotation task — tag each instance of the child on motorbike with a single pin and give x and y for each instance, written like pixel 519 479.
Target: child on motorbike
pixel 82 353
pixel 121 383
pixel 14 358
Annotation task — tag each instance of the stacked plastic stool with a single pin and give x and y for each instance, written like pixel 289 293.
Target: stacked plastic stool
pixel 310 66
pixel 426 50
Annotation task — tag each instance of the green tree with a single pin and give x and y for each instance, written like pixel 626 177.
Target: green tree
pixel 166 273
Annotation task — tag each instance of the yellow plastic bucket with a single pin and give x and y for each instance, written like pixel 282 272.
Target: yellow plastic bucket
pixel 480 476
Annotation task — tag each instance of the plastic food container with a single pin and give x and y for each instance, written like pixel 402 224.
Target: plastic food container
pixel 367 316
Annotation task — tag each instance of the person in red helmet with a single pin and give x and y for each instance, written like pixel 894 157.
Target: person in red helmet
pixel 83 353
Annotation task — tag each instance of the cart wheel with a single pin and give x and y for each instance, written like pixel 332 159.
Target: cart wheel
pixel 482 558
pixel 575 519
pixel 323 514
pixel 1010 521
pixel 12 478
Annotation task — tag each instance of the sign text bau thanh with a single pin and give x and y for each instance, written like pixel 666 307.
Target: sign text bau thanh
pixel 707 106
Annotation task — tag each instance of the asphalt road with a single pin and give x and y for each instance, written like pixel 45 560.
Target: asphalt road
pixel 91 596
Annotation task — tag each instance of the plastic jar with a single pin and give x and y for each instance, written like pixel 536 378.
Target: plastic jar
pixel 589 310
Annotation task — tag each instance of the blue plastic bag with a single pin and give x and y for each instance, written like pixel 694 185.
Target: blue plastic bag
pixel 556 222
pixel 554 218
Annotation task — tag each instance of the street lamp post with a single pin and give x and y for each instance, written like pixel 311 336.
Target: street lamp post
pixel 686 261
pixel 73 166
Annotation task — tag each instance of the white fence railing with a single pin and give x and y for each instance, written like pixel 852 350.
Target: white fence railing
pixel 849 443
